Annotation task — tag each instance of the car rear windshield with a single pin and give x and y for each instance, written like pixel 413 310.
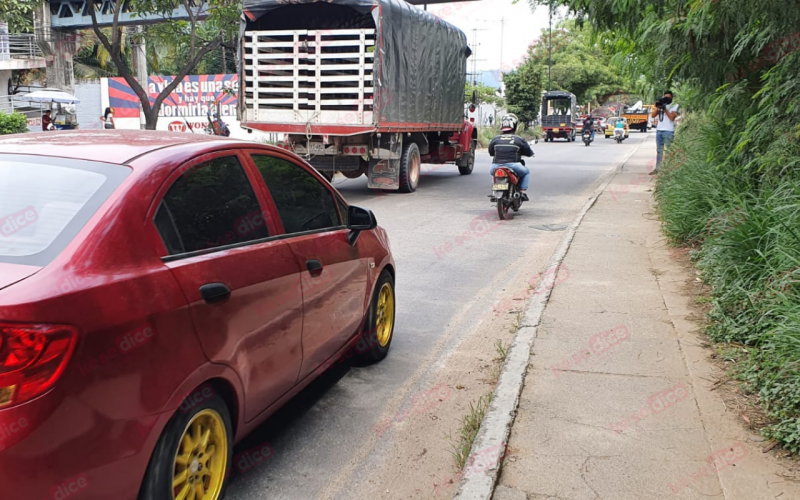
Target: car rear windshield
pixel 44 203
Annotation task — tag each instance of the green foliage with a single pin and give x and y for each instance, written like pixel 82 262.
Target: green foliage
pixel 579 62
pixel 18 14
pixel 14 123
pixel 524 92
pixel 486 94
pixel 731 185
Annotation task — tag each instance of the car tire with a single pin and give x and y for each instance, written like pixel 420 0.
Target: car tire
pixel 410 168
pixel 376 338
pixel 211 415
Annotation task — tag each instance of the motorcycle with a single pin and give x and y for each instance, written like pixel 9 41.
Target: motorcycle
pixel 587 136
pixel 619 136
pixel 505 192
pixel 217 127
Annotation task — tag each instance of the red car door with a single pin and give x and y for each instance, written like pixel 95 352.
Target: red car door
pixel 242 283
pixel 334 273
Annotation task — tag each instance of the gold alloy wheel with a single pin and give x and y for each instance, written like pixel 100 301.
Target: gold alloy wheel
pixel 201 460
pixel 385 315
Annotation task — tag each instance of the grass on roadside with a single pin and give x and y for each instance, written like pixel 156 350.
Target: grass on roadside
pixel 502 350
pixel 743 219
pixel 470 424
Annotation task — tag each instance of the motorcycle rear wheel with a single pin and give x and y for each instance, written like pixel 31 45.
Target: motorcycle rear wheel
pixel 502 210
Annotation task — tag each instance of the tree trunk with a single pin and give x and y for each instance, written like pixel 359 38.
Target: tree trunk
pixel 114 46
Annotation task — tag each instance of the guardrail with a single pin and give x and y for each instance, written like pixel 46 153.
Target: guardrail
pixel 19 46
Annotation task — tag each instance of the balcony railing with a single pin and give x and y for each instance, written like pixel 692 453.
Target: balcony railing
pixel 19 46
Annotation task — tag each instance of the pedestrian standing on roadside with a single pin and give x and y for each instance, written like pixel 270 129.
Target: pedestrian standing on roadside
pixel 665 112
pixel 108 119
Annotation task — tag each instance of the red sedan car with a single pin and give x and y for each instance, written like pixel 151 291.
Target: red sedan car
pixel 161 295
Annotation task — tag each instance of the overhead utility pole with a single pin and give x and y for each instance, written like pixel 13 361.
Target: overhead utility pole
pixel 550 51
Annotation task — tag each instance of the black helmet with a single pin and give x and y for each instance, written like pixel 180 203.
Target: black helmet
pixel 509 123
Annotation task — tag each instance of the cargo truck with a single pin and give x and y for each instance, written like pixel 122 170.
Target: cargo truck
pixel 638 116
pixel 359 87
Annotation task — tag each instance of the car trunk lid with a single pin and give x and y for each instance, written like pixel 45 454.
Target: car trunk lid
pixel 14 273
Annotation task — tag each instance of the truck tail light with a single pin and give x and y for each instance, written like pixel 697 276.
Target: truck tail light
pixel 363 151
pixel 347 151
pixel 32 358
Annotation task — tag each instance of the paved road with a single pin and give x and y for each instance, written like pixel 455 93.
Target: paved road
pixel 317 433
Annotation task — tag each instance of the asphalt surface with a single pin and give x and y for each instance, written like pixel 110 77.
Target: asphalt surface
pixel 316 434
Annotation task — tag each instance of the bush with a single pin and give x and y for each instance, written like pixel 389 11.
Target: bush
pixel 745 226
pixel 15 123
pixel 485 135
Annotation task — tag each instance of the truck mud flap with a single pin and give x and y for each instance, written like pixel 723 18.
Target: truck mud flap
pixel 384 174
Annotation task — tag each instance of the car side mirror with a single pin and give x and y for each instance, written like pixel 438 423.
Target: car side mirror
pixel 359 219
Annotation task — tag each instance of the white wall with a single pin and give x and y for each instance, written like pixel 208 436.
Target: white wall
pixel 90 109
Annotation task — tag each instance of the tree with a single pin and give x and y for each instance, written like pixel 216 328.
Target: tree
pixel 486 94
pixel 524 87
pixel 18 14
pixel 579 62
pixel 201 37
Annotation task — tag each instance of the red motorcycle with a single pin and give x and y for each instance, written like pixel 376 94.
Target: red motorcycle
pixel 505 192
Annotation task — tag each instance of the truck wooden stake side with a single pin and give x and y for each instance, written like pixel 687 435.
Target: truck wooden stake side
pixel 371 87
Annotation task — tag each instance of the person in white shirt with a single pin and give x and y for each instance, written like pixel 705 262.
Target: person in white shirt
pixel 665 112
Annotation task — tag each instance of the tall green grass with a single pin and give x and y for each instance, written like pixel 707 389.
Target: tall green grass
pixel 742 218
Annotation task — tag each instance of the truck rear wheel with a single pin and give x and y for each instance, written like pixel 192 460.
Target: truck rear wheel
pixel 410 166
pixel 466 169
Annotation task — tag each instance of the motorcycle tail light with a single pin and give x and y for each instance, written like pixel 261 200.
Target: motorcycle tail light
pixel 500 173
pixel 32 358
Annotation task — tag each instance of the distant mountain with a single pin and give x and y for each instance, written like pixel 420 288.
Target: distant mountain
pixel 492 78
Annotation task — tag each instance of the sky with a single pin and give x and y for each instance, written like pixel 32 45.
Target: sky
pixel 520 29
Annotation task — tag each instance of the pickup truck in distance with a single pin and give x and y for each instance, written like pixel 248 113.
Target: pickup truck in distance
pixel 371 87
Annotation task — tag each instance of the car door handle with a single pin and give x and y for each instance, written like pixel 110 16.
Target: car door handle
pixel 314 267
pixel 215 293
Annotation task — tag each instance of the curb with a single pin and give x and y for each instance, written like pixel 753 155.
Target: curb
pixel 496 426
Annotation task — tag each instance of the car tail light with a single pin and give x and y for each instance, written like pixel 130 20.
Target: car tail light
pixel 32 358
pixel 500 173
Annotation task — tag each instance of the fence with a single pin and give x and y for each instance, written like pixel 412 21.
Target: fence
pixel 22 46
pixel 297 72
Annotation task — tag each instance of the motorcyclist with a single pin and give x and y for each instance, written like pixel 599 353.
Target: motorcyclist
pixel 619 128
pixel 219 127
pixel 589 122
pixel 508 150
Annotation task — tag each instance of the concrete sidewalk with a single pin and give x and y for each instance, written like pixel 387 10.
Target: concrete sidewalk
pixel 618 400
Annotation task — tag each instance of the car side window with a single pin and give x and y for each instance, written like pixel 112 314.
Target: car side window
pixel 304 203
pixel 208 207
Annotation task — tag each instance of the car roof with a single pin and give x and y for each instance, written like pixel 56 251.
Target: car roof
pixel 109 146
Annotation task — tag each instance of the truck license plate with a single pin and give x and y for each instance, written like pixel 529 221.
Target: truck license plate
pixel 317 148
pixel 500 187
